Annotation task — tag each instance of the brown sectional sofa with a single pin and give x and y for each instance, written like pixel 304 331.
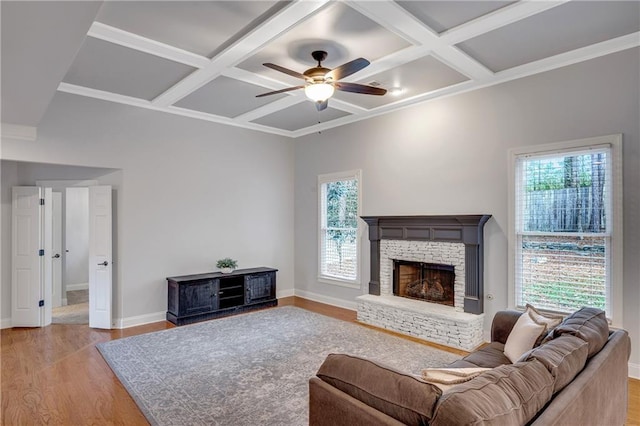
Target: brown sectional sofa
pixel 576 376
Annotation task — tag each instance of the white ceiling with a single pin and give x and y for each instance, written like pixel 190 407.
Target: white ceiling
pixel 204 59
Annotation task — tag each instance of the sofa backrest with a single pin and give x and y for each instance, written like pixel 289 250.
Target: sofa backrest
pixel 506 395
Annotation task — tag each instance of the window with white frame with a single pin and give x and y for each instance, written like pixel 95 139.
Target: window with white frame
pixel 566 226
pixel 339 252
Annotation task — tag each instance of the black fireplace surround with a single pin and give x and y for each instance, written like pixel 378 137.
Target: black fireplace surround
pixel 466 229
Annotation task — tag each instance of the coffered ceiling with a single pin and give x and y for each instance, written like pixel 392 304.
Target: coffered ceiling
pixel 203 59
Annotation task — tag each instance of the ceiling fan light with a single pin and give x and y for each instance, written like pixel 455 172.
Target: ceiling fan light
pixel 319 92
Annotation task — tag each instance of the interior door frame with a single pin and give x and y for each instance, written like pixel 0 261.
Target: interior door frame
pixel 61 185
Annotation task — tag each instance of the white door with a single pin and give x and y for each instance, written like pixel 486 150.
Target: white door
pixel 100 257
pixel 26 261
pixel 56 254
pixel 47 260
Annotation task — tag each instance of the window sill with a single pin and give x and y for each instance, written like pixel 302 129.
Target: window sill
pixel 337 281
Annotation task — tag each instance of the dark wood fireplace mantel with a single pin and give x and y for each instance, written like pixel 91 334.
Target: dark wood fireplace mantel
pixel 466 229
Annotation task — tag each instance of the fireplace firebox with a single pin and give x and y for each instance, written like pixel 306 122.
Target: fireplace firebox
pixel 429 282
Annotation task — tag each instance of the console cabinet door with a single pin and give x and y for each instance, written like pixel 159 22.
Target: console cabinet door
pixel 198 297
pixel 260 287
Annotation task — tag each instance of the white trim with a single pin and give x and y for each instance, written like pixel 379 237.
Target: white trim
pixel 75 287
pixel 497 19
pixel 58 185
pixel 634 371
pixel 5 323
pixel 285 293
pixel 327 300
pixel 339 282
pixel 334 177
pixel 133 41
pixel 139 320
pixel 616 270
pixel 18 132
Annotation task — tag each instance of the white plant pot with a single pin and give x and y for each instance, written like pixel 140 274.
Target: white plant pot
pixel 226 270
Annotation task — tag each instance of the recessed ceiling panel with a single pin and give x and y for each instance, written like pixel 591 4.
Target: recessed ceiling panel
pixel 299 116
pixel 105 66
pixel 414 78
pixel 342 32
pixel 201 27
pixel 444 15
pixel 227 97
pixel 564 28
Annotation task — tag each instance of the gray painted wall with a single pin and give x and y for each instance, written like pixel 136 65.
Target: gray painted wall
pixel 76 237
pixel 451 157
pixel 191 192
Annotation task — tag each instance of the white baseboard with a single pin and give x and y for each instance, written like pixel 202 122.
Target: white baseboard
pixel 346 304
pixel 81 286
pixel 140 320
pixel 5 323
pixel 284 293
pixel 634 370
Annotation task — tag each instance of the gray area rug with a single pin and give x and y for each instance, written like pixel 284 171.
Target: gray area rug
pixel 247 369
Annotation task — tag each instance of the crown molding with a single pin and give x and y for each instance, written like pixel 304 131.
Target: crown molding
pixel 18 132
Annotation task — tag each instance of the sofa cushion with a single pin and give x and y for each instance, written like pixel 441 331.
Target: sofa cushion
pixel 564 357
pixel 489 356
pixel 551 321
pixel 507 395
pixel 589 324
pixel 523 337
pixel 401 396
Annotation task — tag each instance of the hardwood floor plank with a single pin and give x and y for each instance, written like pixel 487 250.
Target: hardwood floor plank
pixel 56 376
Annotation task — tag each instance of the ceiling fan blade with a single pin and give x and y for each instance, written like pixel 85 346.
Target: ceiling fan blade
pixel 285 70
pixel 275 92
pixel 359 88
pixel 347 69
pixel 320 105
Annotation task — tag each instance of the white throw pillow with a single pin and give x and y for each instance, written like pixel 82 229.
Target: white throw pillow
pixel 550 320
pixel 523 336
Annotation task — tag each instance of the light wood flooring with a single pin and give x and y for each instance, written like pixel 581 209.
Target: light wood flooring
pixel 55 375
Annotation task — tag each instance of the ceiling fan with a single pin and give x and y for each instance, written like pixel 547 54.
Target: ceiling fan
pixel 321 82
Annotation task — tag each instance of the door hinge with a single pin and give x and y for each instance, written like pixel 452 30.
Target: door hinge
pixel 41 303
pixel 41 252
pixel 42 201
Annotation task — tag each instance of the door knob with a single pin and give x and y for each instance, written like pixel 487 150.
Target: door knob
pixel 105 263
pixel 56 256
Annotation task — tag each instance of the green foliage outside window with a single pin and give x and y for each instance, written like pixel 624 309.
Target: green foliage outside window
pixel 342 212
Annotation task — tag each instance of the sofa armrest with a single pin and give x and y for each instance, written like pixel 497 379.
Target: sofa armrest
pixel 329 406
pixel 398 395
pixel 502 325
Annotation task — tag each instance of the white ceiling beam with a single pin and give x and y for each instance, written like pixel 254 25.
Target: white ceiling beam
pixel 586 53
pixel 142 103
pixel 241 49
pixel 270 108
pixel 143 44
pixel 103 95
pixel 494 20
pixel 398 20
pixel 223 120
pixel 255 79
pixel 18 132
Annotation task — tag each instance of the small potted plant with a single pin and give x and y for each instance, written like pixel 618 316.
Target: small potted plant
pixel 227 265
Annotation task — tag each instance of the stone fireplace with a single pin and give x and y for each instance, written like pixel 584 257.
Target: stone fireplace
pixel 438 260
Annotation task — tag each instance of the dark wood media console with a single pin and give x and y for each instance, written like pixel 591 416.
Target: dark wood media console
pixel 193 298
